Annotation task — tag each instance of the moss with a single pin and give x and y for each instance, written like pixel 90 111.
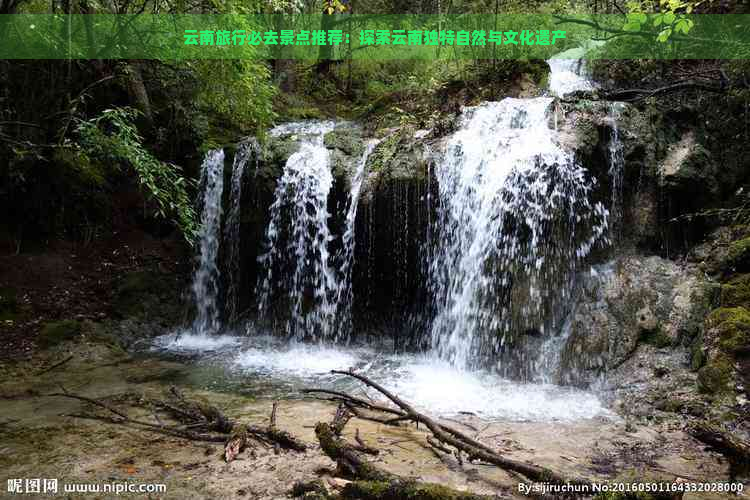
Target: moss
pixel 404 490
pixel 736 292
pixel 716 376
pixel 738 255
pixel 78 165
pixel 398 157
pixel 384 152
pixel 656 338
pixel 348 140
pixel 697 355
pixel 733 327
pixel 56 332
pixel 670 405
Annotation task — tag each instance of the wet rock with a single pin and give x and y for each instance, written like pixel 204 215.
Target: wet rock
pixel 346 139
pixel 646 320
pixel 587 129
pixel 688 169
pixel 729 329
pixel 392 223
pixel 633 301
pixel 724 251
pixel 346 145
pixel 717 377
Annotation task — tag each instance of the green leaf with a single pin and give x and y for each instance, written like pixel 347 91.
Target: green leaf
pixel 664 35
pixel 669 18
pixel 631 26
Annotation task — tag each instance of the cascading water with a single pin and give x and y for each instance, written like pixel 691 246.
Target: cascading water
pixel 300 271
pixel 246 151
pixel 616 168
pixel 514 220
pixel 567 75
pixel 206 279
pixel 344 292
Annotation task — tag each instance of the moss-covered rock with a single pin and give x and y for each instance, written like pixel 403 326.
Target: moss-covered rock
pixel 398 157
pixel 404 490
pixel 78 166
pixel 738 255
pixel 697 354
pixel 717 376
pixel 346 139
pixel 655 337
pixel 56 332
pixel 732 327
pixel 278 149
pixel 736 292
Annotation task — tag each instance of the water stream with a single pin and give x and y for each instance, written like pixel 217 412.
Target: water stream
pixel 207 275
pixel 515 219
pixel 299 272
pixel 246 152
pixel 344 292
pixel 512 222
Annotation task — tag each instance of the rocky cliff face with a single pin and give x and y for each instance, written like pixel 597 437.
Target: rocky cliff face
pixel 639 320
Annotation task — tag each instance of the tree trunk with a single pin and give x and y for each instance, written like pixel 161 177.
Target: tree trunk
pixel 137 90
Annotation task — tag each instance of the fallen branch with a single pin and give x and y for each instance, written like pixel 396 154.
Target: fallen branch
pixel 371 482
pixel 199 421
pixel 346 398
pixel 474 449
pixel 735 449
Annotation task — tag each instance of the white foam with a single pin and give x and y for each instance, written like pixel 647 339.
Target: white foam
pixel 185 341
pixel 298 359
pixel 440 389
pixel 431 385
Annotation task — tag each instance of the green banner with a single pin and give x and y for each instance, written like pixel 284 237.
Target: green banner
pixel 344 36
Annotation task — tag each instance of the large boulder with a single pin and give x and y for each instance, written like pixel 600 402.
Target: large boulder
pixel 632 302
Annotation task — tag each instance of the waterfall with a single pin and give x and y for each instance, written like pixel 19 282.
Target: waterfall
pixel 568 70
pixel 207 276
pixel 296 262
pixel 616 167
pixel 245 152
pixel 344 293
pixel 514 220
pixel 566 76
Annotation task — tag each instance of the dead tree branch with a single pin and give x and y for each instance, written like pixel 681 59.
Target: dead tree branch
pixel 369 481
pixel 735 449
pixel 197 421
pixel 474 449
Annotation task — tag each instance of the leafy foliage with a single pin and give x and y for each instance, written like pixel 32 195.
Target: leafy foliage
pixel 239 90
pixel 113 137
pixel 670 16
